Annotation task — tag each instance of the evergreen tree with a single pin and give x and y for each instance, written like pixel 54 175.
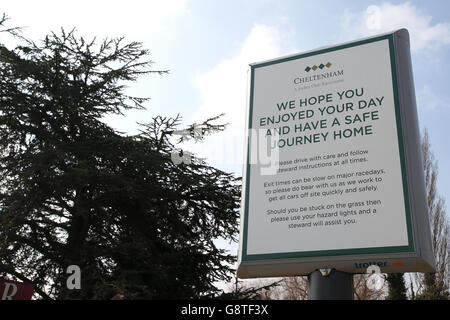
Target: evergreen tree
pixel 396 286
pixel 74 191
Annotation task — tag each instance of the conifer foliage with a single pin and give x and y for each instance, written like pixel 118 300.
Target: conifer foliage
pixel 74 191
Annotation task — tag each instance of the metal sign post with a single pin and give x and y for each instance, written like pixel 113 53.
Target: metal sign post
pixel 330 285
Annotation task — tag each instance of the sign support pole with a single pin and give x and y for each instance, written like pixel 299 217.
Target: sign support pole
pixel 334 285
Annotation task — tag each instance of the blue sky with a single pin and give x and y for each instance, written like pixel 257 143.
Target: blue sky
pixel 207 46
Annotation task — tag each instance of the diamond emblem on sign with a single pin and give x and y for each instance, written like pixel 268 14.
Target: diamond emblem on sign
pixel 315 67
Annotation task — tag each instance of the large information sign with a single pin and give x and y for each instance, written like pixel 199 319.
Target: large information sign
pixel 341 185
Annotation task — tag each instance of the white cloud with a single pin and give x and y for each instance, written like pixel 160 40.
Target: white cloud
pixel 223 89
pixel 388 17
pixel 428 99
pixel 94 18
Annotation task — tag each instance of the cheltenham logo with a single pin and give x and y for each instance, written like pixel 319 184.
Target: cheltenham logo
pixel 320 66
pixel 315 76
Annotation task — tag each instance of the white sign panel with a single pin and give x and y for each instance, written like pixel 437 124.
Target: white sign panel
pixel 330 121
